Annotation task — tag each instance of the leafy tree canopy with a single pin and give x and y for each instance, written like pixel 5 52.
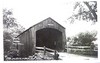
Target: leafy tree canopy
pixel 8 20
pixel 86 10
pixel 84 39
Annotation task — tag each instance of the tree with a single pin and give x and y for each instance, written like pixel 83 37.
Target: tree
pixel 7 41
pixel 85 39
pixel 86 11
pixel 10 24
pixel 11 29
pixel 8 20
pixel 75 41
pixel 68 39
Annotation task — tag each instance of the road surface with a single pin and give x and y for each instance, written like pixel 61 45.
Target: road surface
pixel 69 56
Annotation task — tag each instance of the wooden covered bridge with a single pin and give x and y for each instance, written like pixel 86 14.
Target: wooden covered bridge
pixel 46 33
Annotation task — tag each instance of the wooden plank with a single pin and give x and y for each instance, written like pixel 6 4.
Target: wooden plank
pixel 42 48
pixel 81 47
pixel 39 47
pixel 50 49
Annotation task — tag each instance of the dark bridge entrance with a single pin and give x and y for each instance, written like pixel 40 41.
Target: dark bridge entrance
pixel 50 38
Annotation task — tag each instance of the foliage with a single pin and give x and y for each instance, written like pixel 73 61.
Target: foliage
pixel 84 39
pixel 85 10
pixel 11 28
pixel 7 41
pixel 8 20
pixel 68 39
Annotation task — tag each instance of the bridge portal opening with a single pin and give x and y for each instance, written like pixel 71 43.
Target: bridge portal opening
pixel 50 38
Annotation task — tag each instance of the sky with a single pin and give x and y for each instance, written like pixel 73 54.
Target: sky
pixel 30 12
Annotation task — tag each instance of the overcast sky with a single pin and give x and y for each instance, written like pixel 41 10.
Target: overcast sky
pixel 30 12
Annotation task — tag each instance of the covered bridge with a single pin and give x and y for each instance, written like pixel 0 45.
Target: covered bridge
pixel 46 33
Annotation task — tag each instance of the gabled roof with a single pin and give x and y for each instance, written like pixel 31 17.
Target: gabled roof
pixel 47 19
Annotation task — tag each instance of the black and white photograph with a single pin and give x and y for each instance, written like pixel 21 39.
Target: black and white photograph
pixel 50 30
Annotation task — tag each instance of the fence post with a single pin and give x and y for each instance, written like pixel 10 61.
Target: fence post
pixel 44 50
pixel 56 55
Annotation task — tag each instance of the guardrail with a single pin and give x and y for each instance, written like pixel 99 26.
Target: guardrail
pixel 82 47
pixel 45 48
pixel 81 50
